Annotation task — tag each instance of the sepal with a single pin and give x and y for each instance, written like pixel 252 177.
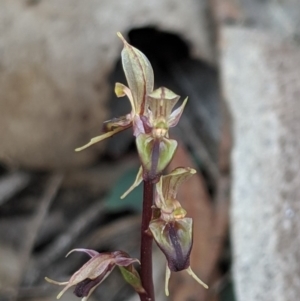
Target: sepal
pixel 155 154
pixel 100 138
pixel 132 277
pixel 175 240
pixel 170 183
pixel 161 103
pixel 175 116
pixel 118 122
pixel 137 182
pixel 139 74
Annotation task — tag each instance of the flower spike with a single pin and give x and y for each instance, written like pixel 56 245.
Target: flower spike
pixel 152 115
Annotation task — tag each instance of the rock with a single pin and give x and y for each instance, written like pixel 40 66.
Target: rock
pixel 261 80
pixel 55 57
pixel 280 17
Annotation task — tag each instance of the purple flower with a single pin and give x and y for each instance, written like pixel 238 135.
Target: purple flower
pixel 94 272
pixel 155 148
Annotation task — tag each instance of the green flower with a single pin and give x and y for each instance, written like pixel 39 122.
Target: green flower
pixel 170 228
pixel 155 148
pixel 140 79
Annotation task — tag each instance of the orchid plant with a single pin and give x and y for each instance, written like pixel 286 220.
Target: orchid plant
pixel 163 218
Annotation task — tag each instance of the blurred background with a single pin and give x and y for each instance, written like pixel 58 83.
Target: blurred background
pixel 238 61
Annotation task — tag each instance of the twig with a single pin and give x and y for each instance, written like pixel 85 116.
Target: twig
pixel 34 223
pixel 63 242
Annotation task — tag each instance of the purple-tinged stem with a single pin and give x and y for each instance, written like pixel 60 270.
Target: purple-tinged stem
pixel 146 244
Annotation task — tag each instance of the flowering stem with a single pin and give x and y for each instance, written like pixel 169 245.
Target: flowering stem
pixel 146 244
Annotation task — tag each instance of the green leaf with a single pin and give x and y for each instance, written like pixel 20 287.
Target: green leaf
pixel 133 201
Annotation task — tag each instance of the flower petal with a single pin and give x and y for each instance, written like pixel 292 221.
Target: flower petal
pixel 175 116
pixel 91 291
pixel 100 138
pixel 155 154
pixel 63 291
pixel 124 261
pixel 137 182
pixel 161 102
pixel 167 148
pixel 139 74
pixel 59 283
pixel 144 143
pixel 172 181
pixel 191 273
pixel 86 287
pixel 159 197
pixel 123 122
pixel 55 282
pixel 121 90
pixel 90 252
pixel 138 125
pixel 168 275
